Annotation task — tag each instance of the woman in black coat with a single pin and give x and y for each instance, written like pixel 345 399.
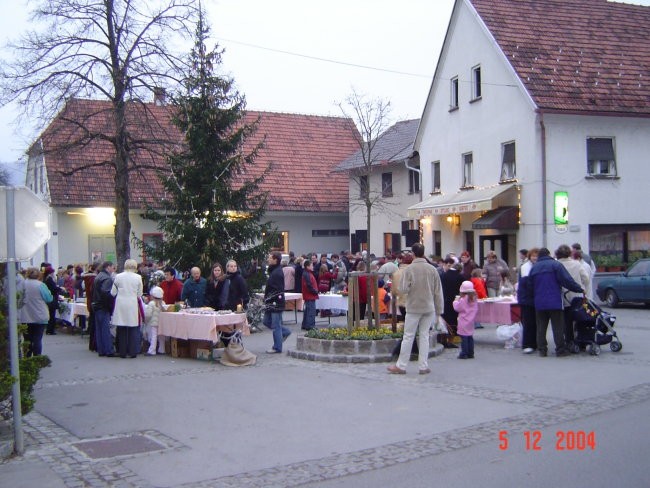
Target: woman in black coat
pixel 451 280
pixel 237 287
pixel 50 282
pixel 216 290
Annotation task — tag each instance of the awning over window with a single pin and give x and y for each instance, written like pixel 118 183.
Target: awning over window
pixel 475 200
pixel 502 218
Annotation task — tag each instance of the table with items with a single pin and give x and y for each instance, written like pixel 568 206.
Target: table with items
pixel 69 311
pixel 201 324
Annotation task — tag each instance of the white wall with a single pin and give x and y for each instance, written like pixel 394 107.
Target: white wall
pixel 70 244
pixel 389 212
pixel 300 226
pixel 503 114
pixel 623 200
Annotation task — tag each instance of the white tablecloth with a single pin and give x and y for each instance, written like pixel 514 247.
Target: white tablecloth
pixel 328 302
pixel 73 310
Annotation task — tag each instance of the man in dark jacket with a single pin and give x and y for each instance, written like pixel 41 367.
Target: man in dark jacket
pixel 274 302
pixel 102 304
pixel 547 277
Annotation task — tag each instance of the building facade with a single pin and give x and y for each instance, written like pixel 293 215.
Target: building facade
pixel 536 130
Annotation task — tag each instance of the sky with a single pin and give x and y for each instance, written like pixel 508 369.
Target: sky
pixel 400 40
pixel 276 51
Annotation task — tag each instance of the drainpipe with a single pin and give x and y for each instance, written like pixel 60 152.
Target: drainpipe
pixel 544 211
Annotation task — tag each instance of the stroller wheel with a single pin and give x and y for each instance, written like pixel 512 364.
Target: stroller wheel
pixel 615 346
pixel 593 349
pixel 574 348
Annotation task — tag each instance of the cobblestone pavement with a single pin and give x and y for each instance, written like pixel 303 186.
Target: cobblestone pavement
pixel 53 445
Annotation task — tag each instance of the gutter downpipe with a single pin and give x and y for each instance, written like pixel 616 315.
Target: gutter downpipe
pixel 544 199
pixel 414 155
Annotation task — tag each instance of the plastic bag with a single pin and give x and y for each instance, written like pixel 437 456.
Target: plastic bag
pixel 506 332
pixel 441 326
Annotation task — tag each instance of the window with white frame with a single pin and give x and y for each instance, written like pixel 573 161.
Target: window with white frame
pixel 476 82
pixel 435 176
pixel 600 157
pixel 468 162
pixel 453 101
pixel 387 184
pixel 508 165
pixel 414 182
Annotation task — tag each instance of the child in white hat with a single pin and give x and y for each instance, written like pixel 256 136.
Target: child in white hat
pixel 467 307
pixel 151 314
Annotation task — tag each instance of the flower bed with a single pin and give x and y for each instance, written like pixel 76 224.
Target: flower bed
pixel 360 334
pixel 337 345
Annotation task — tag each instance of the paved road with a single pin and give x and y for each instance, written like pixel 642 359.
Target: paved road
pixel 286 422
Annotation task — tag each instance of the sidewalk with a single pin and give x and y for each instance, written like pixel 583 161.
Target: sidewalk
pixel 164 422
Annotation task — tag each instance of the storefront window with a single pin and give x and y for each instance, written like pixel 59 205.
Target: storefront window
pixel 613 246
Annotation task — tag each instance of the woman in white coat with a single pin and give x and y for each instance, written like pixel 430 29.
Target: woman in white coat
pixel 127 290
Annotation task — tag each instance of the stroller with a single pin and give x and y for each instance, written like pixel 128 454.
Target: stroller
pixel 593 327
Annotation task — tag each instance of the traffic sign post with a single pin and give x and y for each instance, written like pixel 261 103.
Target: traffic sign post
pixel 21 205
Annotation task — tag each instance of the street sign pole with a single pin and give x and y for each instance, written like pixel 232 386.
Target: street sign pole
pixel 22 205
pixel 13 322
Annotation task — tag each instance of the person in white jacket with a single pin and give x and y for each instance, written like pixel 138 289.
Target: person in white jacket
pixel 151 314
pixel 127 290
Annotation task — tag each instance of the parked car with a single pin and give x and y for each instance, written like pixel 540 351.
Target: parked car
pixel 631 286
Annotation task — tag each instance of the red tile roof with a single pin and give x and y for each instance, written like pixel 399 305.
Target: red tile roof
pixel 296 146
pixel 576 55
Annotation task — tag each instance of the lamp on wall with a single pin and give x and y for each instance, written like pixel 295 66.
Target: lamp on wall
pixel 453 219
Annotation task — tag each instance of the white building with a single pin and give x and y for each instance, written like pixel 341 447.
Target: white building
pixel 538 108
pixel 391 177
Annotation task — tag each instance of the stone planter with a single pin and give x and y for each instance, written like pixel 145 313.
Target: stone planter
pixel 352 351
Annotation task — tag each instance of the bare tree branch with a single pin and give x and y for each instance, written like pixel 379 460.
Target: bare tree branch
pixel 115 50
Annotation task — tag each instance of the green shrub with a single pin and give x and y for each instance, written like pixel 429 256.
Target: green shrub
pixel 29 367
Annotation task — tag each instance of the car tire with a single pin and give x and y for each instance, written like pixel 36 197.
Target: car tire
pixel 611 299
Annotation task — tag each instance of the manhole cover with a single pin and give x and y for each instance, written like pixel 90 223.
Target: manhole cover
pixel 118 446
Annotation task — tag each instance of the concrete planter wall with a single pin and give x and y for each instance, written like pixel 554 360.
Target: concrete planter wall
pixel 352 351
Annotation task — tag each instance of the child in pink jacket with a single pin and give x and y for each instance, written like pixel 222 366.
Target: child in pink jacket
pixel 467 307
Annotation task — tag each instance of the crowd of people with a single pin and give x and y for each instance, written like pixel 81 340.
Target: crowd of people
pixel 130 301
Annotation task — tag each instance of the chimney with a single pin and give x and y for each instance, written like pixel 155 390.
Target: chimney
pixel 159 96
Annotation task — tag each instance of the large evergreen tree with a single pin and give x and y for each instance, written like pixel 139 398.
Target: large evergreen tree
pixel 211 211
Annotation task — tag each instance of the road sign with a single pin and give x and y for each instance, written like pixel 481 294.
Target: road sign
pixel 30 217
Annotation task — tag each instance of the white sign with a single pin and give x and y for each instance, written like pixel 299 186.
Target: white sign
pixel 561 228
pixel 31 219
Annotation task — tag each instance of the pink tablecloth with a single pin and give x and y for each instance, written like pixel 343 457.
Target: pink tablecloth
pixel 200 326
pixel 505 312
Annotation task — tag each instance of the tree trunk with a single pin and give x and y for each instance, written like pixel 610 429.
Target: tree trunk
pixel 122 222
pixel 369 286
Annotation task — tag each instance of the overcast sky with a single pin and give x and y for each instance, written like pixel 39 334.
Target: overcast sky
pixel 405 37
pixel 400 40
